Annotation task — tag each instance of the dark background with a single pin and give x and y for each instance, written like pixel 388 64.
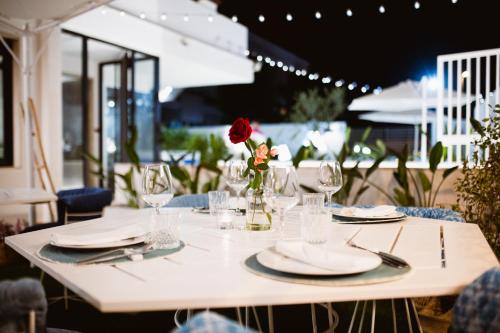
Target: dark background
pixel 368 48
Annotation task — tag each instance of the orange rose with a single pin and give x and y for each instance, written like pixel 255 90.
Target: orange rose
pixel 261 152
pixel 258 161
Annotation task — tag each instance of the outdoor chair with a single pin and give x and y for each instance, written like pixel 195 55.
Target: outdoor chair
pixel 189 200
pixel 23 307
pixel 78 205
pixel 209 322
pixel 477 309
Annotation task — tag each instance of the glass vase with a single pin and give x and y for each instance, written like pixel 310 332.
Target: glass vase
pixel 258 212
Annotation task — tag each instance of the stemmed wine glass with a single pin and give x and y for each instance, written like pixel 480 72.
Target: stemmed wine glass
pixel 157 185
pixel 237 180
pixel 330 179
pixel 281 190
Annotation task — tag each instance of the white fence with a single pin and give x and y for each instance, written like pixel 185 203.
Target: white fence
pixel 475 76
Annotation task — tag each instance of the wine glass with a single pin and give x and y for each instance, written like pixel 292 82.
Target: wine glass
pixel 330 179
pixel 237 180
pixel 157 185
pixel 281 190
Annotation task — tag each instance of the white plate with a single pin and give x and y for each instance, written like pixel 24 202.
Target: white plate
pixel 124 242
pixel 395 215
pixel 351 261
pixel 362 221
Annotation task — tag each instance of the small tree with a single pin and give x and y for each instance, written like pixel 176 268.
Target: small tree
pixel 315 106
pixel 479 187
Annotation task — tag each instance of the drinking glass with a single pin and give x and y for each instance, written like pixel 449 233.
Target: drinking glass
pixel 330 179
pixel 218 203
pixel 157 185
pixel 313 201
pixel 314 226
pixel 166 235
pixel 237 180
pixel 281 190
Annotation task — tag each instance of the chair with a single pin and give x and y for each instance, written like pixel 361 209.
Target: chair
pixel 23 307
pixel 77 205
pixel 189 200
pixel 209 322
pixel 477 309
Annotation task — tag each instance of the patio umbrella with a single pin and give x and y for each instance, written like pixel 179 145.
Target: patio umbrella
pixel 403 97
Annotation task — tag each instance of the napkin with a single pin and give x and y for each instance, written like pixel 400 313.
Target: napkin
pixel 317 256
pixel 104 235
pixel 379 211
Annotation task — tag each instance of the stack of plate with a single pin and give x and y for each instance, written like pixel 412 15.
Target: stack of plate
pixel 341 217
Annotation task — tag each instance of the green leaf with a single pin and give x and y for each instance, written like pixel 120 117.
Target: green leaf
pixel 435 156
pixel 366 134
pixel 374 166
pixel 424 181
pixel 262 166
pixel 362 190
pixel 449 171
pixel 477 126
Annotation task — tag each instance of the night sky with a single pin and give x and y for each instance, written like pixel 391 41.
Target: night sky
pixel 368 48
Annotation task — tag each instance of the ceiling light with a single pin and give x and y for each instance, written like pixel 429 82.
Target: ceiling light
pixel 317 15
pixel 381 9
pixel 416 5
pixel 289 17
pixel 261 18
pixel 348 12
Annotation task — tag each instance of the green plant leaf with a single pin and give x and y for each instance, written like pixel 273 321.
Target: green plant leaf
pixel 374 166
pixel 262 166
pixel 477 126
pixel 435 156
pixel 424 181
pixel 449 171
pixel 366 134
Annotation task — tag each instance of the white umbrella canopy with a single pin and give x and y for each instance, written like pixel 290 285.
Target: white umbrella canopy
pixel 403 97
pixel 15 15
pixel 407 117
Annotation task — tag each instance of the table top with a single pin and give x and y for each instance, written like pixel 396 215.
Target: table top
pixel 209 271
pixel 23 196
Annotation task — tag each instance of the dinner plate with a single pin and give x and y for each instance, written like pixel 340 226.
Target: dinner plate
pixel 364 221
pixel 350 261
pixel 124 242
pixel 396 215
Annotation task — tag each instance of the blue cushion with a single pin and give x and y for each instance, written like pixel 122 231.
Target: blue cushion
pixel 189 200
pixel 82 200
pixel 425 212
pixel 477 309
pixel 209 322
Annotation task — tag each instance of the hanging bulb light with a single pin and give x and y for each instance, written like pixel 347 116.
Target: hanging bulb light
pixel 234 18
pixel 454 1
pixel 285 68
pixel 339 83
pixel 246 53
pixel 381 9
pixel 261 18
pixel 317 15
pixel 349 12
pixel 259 58
pixel 416 5
pixel 289 17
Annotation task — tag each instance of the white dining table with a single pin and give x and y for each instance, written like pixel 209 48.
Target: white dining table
pixel 209 272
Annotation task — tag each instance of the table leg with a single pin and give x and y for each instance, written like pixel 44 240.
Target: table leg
pixel 247 317
pixel 374 311
pixel 238 315
pixel 362 317
pixel 410 328
pixel 257 321
pixel 353 318
pixel 313 319
pixel 270 318
pixel 394 322
pixel 416 316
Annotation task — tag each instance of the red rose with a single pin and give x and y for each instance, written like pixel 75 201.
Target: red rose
pixel 240 131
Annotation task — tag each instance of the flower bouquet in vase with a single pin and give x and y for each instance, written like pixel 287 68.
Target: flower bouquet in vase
pixel 258 212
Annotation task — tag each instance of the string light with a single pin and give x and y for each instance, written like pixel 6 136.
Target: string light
pixel 234 18
pixel 279 63
pixel 261 18
pixel 246 53
pixel 352 86
pixel 272 63
pixel 348 12
pixel 365 88
pixel 317 15
pixel 285 68
pixel 289 17
pixel 339 83
pixel 454 1
pixel 267 60
pixel 416 5
pixel 259 58
pixel 377 91
pixel 381 9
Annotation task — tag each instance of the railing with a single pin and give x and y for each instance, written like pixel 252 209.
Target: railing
pixel 468 84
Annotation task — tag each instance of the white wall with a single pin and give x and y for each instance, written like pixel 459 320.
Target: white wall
pixel 46 92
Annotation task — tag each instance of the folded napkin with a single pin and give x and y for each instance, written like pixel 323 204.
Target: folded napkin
pixel 104 235
pixel 334 260
pixel 379 211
